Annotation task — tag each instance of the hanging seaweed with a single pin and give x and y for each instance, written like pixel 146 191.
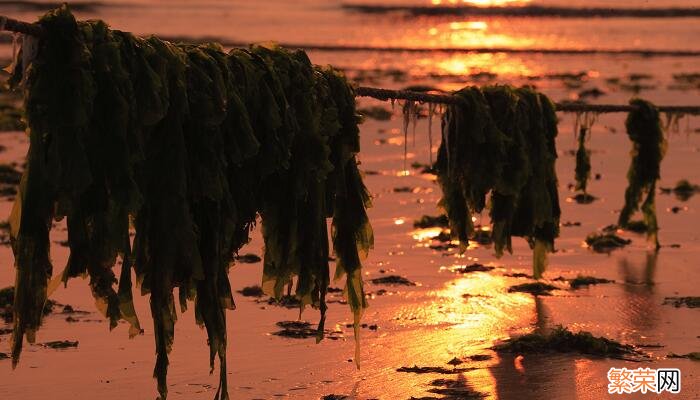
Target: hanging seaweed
pixel 649 147
pixel 184 146
pixel 582 128
pixel 583 162
pixel 500 140
pixel 673 121
pixel 431 112
pixel 410 117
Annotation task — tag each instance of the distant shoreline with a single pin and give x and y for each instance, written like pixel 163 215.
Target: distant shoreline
pixel 526 11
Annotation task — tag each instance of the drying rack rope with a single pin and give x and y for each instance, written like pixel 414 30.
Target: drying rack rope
pixel 388 94
pixel 13 25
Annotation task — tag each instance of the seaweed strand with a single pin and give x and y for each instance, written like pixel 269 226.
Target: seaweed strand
pixel 500 141
pixel 649 147
pixel 583 126
pixel 185 146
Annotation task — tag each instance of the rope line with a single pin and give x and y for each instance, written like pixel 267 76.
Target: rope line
pixel 387 94
pixel 14 25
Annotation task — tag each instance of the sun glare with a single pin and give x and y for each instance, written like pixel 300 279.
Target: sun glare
pixel 481 3
pixel 477 33
pixel 472 25
pixel 466 64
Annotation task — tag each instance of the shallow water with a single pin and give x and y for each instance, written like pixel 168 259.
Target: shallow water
pixel 427 324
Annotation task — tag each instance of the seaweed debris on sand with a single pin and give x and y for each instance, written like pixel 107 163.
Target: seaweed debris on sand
pixel 429 221
pixel 564 341
pixel 455 389
pixel 424 168
pixel 433 370
pixel 7 299
pixel 252 291
pixel 476 267
pixel 392 280
pixel 9 175
pixel 518 275
pixel 581 280
pixel 583 198
pixel 248 258
pixel 9 180
pixel 695 356
pixel 683 190
pixel 60 344
pixel 5 233
pixel 11 111
pixel 569 224
pixel 303 330
pixel 286 301
pixel 606 242
pixel 535 288
pixel 689 301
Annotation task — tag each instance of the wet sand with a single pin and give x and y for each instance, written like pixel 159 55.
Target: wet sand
pixel 446 314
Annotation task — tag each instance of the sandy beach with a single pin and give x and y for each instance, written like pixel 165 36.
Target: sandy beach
pixel 445 312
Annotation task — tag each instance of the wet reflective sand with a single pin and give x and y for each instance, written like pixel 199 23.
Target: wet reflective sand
pixel 447 313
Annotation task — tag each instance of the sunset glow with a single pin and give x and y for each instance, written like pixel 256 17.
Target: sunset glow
pixel 477 33
pixel 465 64
pixel 468 199
pixel 481 3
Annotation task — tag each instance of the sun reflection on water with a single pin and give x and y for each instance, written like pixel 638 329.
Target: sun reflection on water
pixel 480 3
pixel 480 304
pixel 470 64
pixel 464 318
pixel 479 33
pixel 469 25
pixel 424 234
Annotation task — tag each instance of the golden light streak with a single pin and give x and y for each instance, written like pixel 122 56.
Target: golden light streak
pixel 422 235
pixel 471 33
pixel 481 3
pixel 472 25
pixel 481 303
pixel 467 64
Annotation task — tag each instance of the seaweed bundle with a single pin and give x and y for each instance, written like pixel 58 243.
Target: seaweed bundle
pixel 183 146
pixel 649 147
pixel 582 128
pixel 583 163
pixel 562 340
pixel 500 140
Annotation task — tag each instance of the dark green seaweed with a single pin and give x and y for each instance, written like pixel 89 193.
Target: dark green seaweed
pixel 184 147
pixel 583 162
pixel 649 147
pixel 500 140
